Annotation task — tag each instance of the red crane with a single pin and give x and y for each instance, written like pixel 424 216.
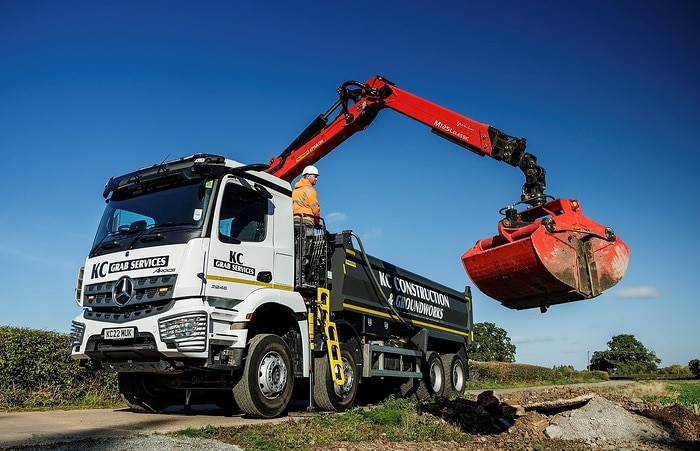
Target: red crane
pixel 549 253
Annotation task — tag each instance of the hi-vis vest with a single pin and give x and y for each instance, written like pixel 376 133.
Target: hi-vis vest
pixel 305 200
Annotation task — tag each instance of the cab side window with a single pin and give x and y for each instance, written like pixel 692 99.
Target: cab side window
pixel 243 215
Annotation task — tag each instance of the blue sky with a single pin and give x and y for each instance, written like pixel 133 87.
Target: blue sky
pixel 606 93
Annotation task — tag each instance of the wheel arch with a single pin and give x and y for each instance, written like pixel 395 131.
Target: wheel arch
pixel 279 319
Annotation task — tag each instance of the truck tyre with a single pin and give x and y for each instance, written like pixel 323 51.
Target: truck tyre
pixel 431 384
pixel 455 374
pixel 329 395
pixel 266 385
pixel 143 393
pixel 224 400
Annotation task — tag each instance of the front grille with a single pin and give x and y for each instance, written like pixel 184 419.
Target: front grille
pixel 152 295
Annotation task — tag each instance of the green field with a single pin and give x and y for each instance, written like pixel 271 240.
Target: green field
pixel 683 392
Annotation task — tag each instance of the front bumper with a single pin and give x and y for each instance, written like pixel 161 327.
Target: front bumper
pixel 183 336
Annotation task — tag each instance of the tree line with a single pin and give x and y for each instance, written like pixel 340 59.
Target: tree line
pixel 625 355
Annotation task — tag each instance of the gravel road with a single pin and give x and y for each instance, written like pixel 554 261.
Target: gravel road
pixel 22 429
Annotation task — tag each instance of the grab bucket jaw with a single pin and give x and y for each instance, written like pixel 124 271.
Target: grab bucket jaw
pixel 551 254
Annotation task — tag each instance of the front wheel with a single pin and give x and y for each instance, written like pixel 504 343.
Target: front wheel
pixel 329 395
pixel 143 393
pixel 266 385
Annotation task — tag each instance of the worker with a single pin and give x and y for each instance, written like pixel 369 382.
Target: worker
pixel 306 209
pixel 307 215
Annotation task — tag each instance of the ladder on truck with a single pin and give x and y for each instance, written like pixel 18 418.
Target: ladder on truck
pixel 330 333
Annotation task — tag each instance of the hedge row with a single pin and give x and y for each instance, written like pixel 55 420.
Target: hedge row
pixel 513 373
pixel 37 371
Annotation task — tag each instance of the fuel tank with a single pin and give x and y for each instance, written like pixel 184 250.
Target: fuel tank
pixel 545 255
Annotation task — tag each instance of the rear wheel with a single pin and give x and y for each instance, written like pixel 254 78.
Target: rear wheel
pixel 329 395
pixel 455 374
pixel 431 384
pixel 144 393
pixel 266 385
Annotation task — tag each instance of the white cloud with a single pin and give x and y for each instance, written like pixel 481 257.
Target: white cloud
pixel 335 218
pixel 371 234
pixel 641 292
pixel 522 339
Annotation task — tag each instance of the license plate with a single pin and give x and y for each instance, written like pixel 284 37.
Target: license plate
pixel 122 333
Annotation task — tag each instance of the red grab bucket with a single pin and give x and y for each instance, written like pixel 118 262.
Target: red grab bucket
pixel 551 254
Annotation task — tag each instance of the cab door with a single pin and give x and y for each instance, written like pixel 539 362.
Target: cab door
pixel 241 248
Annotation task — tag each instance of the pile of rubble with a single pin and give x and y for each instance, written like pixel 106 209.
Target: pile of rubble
pixel 562 417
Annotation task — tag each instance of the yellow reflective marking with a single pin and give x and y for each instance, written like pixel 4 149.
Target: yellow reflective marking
pixel 258 283
pixel 408 320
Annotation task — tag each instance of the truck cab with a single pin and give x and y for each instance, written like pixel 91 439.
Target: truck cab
pixel 185 252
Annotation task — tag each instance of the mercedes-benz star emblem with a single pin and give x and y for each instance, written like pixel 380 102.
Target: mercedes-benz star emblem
pixel 123 290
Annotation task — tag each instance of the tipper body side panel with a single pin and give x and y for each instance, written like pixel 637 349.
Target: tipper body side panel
pixel 384 290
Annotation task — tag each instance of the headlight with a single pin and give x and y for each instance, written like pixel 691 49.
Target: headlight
pixel 188 332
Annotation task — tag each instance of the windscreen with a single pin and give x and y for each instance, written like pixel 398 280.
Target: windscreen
pixel 172 207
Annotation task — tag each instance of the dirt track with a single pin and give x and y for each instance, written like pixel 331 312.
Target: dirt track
pixel 24 428
pixel 31 429
pixel 57 426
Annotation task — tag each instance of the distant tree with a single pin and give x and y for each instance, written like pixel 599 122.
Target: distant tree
pixel 625 355
pixel 694 366
pixel 491 344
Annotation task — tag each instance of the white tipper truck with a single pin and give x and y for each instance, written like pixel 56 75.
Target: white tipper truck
pixel 189 294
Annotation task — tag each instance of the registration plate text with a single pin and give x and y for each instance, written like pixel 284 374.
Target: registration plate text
pixel 122 333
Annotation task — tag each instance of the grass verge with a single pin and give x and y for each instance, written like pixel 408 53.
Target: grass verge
pixel 394 420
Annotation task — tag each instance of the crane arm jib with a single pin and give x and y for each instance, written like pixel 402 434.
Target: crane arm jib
pixel 359 104
pixel 321 137
pixel 475 136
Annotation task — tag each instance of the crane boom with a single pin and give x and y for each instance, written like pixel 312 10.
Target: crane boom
pixel 359 104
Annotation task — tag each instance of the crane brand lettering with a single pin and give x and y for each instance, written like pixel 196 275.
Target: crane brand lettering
pixel 447 129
